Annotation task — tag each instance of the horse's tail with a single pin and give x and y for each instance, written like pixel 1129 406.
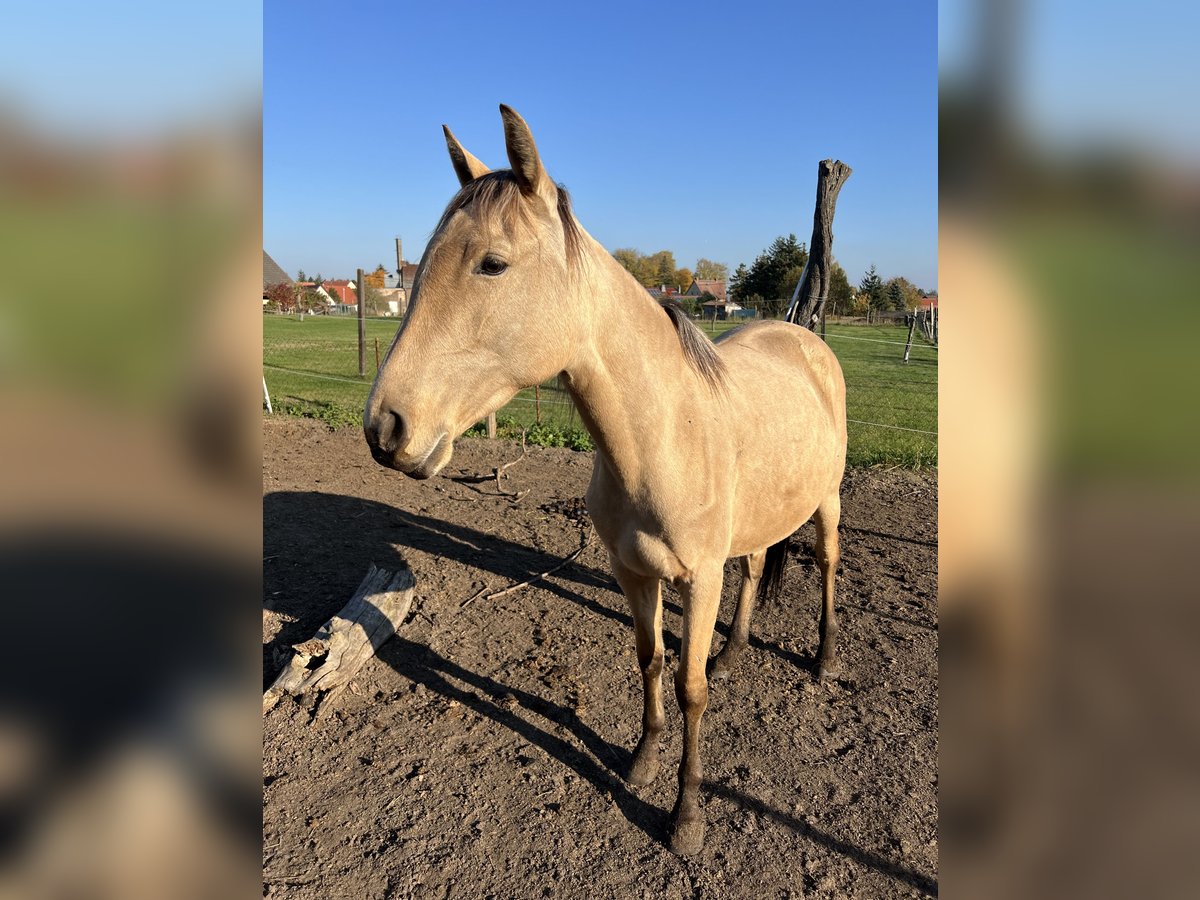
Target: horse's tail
pixel 771 582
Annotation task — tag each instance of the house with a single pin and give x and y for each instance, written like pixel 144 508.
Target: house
pixel 344 293
pixel 663 292
pixel 313 287
pixel 396 299
pixel 720 307
pixel 701 286
pixel 397 287
pixel 273 274
pixel 725 309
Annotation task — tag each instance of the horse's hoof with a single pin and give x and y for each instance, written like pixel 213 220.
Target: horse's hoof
pixel 642 771
pixel 829 671
pixel 687 838
pixel 718 671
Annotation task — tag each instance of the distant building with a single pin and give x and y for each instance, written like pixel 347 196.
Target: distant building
pixel 344 293
pixel 273 274
pixel 720 306
pixel 704 286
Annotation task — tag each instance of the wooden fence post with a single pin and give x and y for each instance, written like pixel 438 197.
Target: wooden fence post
pixel 491 425
pixel 911 328
pixel 376 354
pixel 362 329
pixel 537 403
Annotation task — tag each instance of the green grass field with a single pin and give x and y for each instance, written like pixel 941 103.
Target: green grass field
pixel 311 367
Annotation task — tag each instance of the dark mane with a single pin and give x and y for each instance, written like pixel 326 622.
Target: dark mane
pixel 697 348
pixel 498 194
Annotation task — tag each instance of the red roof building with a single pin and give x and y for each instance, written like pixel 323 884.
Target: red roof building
pixel 342 291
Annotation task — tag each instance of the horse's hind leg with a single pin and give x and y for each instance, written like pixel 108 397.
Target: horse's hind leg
pixel 828 556
pixel 739 632
pixel 645 602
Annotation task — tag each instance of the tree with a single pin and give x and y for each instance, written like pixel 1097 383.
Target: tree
pixel 737 282
pixel 662 267
pixel 683 278
pixel 871 287
pixel 690 304
pixel 709 270
pixel 634 263
pixel 840 292
pixel 375 303
pixel 895 297
pixel 910 294
pixel 283 296
pixel 773 276
pixel 300 276
pixel 311 301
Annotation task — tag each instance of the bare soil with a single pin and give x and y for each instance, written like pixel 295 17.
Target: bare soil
pixel 480 755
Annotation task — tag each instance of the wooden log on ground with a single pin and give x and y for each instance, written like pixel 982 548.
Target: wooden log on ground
pixel 808 300
pixel 326 662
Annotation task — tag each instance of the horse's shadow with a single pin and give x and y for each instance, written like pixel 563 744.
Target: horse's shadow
pixel 378 530
pixel 316 548
pixel 296 525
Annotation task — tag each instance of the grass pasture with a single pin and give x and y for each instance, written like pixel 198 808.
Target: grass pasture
pixel 311 368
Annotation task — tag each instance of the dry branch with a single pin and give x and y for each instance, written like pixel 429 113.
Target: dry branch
pixel 327 661
pixel 498 471
pixel 524 584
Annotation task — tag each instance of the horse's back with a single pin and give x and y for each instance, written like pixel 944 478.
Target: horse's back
pixel 778 354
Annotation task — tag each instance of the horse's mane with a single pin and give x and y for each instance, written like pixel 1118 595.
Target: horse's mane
pixel 697 348
pixel 497 194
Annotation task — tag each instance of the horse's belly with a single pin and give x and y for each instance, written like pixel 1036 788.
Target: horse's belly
pixel 775 497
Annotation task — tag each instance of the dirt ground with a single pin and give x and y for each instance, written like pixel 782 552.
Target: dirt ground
pixel 480 756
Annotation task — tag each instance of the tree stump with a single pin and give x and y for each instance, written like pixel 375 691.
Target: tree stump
pixel 325 663
pixel 808 300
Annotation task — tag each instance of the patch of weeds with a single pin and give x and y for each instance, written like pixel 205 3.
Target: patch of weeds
pixel 334 415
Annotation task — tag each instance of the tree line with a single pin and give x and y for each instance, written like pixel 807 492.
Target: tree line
pixel 658 269
pixel 768 283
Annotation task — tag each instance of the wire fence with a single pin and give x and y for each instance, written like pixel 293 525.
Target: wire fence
pixel 310 367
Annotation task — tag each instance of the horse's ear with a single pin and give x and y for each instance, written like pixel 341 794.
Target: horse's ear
pixel 466 166
pixel 523 157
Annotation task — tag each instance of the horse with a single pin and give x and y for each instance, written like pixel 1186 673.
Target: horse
pixel 704 450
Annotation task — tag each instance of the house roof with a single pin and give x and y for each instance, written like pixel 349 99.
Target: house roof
pixel 341 289
pixel 272 273
pixel 703 285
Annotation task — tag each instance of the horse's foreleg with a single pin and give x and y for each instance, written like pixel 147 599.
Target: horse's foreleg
pixel 645 602
pixel 739 632
pixel 701 597
pixel 828 556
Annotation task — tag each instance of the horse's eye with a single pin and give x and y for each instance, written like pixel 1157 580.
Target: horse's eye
pixel 492 266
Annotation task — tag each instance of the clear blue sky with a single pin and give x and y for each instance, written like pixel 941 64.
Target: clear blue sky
pixel 692 127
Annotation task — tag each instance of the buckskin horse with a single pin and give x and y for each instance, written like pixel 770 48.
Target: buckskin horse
pixel 705 451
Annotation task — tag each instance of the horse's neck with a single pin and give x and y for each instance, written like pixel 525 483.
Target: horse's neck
pixel 630 381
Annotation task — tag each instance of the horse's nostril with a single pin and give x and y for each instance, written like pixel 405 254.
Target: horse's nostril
pixel 389 431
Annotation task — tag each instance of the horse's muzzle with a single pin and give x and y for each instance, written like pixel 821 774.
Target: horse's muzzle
pixel 388 439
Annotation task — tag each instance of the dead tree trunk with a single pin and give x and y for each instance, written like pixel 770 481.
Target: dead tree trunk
pixel 325 663
pixel 808 300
